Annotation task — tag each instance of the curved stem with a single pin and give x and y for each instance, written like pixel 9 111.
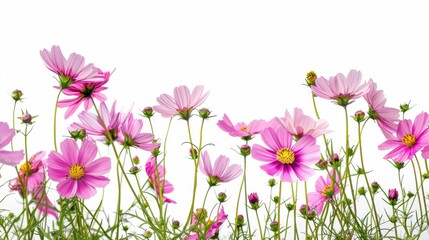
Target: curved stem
pixel 55 118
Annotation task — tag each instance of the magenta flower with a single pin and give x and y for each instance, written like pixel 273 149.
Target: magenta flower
pixel 221 171
pixel 131 134
pixel 11 158
pixel 76 171
pixel 183 102
pixel 340 88
pixel 410 138
pixel 69 70
pixel 325 191
pixel 157 180
pixel 245 131
pixel 83 92
pixel 31 178
pixel 300 125
pixel 93 125
pixel 387 118
pixel 392 195
pixel 284 159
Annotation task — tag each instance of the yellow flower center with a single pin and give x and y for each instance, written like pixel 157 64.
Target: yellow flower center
pixel 409 140
pixel 244 128
pixel 25 167
pixel 76 172
pixel 328 191
pixel 285 156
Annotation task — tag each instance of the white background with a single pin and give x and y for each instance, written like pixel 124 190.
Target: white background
pixel 251 55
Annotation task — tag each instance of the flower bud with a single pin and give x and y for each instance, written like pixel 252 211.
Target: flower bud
pixel 272 182
pixel 245 150
pixel 360 171
pixel 201 214
pixel 155 152
pixel 393 196
pixel 361 191
pixel 204 113
pixel 193 152
pixel 274 226
pixel 147 234
pixel 239 221
pixel 322 164
pixel 399 165
pixel 375 186
pixel 136 160
pixel 26 118
pixel 134 170
pixel 426 176
pixel 17 95
pixel 311 78
pixel 410 194
pixel 276 199
pixel 175 224
pixel 221 197
pixel 290 206
pixel 393 219
pixel 359 116
pixel 125 228
pixel 254 201
pixel 404 107
pixel 79 134
pixel 148 112
pixel 311 214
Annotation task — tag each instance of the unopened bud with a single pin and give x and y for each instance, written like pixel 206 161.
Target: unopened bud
pixel 17 95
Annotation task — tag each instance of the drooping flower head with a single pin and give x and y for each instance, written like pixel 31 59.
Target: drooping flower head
pixel 31 178
pixel 325 191
pixel 221 171
pixel 131 135
pixel 93 125
pixel 69 70
pixel 183 102
pixel 341 89
pixel 82 92
pixel 282 158
pixel 11 158
pixel 410 138
pixel 157 180
pixel 300 125
pixel 387 118
pixel 76 170
pixel 241 129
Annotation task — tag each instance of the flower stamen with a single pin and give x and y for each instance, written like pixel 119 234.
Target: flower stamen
pixel 76 171
pixel 409 140
pixel 285 156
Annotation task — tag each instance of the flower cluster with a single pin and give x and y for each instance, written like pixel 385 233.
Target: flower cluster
pixel 294 149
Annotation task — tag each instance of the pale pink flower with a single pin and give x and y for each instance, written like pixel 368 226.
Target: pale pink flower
pixel 93 125
pixel 11 158
pixel 131 135
pixel 221 170
pixel 82 92
pixel 183 102
pixel 410 138
pixel 300 125
pixel 282 158
pixel 157 180
pixel 69 70
pixel 387 118
pixel 76 171
pixel 31 178
pixel 340 88
pixel 241 129
pixel 325 191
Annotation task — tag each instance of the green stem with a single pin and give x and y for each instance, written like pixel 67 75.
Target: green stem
pixel 279 204
pixel 259 224
pixel 13 123
pixel 417 188
pixel 55 118
pixel 423 188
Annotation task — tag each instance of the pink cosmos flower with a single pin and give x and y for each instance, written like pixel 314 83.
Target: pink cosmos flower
pixel 76 170
pixel 11 158
pixel 213 226
pixel 410 138
pixel 131 134
pixel 241 129
pixel 92 124
pixel 32 178
pixel 83 92
pixel 69 70
pixel 221 171
pixel 340 88
pixel 300 125
pixel 183 102
pixel 284 159
pixel 157 180
pixel 325 191
pixel 387 118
